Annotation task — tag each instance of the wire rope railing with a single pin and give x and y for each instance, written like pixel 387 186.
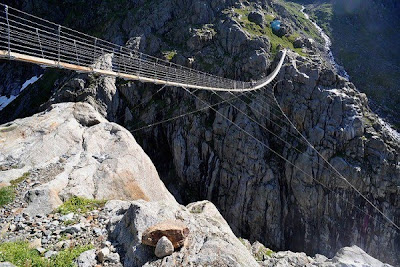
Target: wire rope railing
pixel 28 38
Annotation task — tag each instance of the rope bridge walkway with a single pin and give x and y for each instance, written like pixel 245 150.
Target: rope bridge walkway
pixel 27 38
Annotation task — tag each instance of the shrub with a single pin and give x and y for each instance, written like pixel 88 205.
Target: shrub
pixel 263 254
pixel 20 254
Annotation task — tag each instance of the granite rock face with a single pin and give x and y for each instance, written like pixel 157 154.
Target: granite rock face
pixel 346 257
pixel 93 157
pixel 210 243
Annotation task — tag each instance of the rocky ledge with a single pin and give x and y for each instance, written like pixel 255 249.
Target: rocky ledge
pixel 71 150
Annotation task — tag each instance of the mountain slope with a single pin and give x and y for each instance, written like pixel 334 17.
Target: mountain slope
pixel 364 40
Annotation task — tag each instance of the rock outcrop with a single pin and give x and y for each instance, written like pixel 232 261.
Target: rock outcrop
pixel 82 154
pixel 345 257
pixel 175 231
pixel 210 242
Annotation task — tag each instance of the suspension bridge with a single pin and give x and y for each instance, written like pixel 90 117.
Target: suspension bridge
pixel 27 38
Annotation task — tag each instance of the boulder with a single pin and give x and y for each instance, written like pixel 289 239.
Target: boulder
pixel 102 254
pixel 175 231
pixel 50 253
pixel 35 243
pixel 81 154
pixel 232 37
pixel 211 242
pixel 113 259
pixel 87 259
pixel 298 43
pixel 346 257
pixel 256 17
pixel 355 256
pixel 301 42
pixel 164 247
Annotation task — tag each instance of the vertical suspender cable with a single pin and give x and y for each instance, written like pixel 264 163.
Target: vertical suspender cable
pixel 140 65
pixel 155 68
pixel 59 45
pixel 40 44
pixel 76 52
pixel 94 50
pixel 169 72
pixel 8 32
pixel 123 58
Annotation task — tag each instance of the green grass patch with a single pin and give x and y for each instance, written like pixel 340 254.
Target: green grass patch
pixel 256 30
pixel 80 205
pixel 65 258
pixel 7 195
pixel 169 55
pixel 21 255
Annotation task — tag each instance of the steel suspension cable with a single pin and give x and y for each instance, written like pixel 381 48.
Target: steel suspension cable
pixel 283 158
pixel 332 170
pixel 184 114
pixel 275 135
pixel 338 173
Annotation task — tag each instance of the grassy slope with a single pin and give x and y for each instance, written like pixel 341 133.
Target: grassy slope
pixel 256 30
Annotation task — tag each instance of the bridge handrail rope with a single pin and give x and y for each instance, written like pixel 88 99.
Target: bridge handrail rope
pixel 28 38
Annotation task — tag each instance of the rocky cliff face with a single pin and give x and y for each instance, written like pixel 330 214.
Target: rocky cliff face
pixel 204 156
pixel 264 198
pixel 81 154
